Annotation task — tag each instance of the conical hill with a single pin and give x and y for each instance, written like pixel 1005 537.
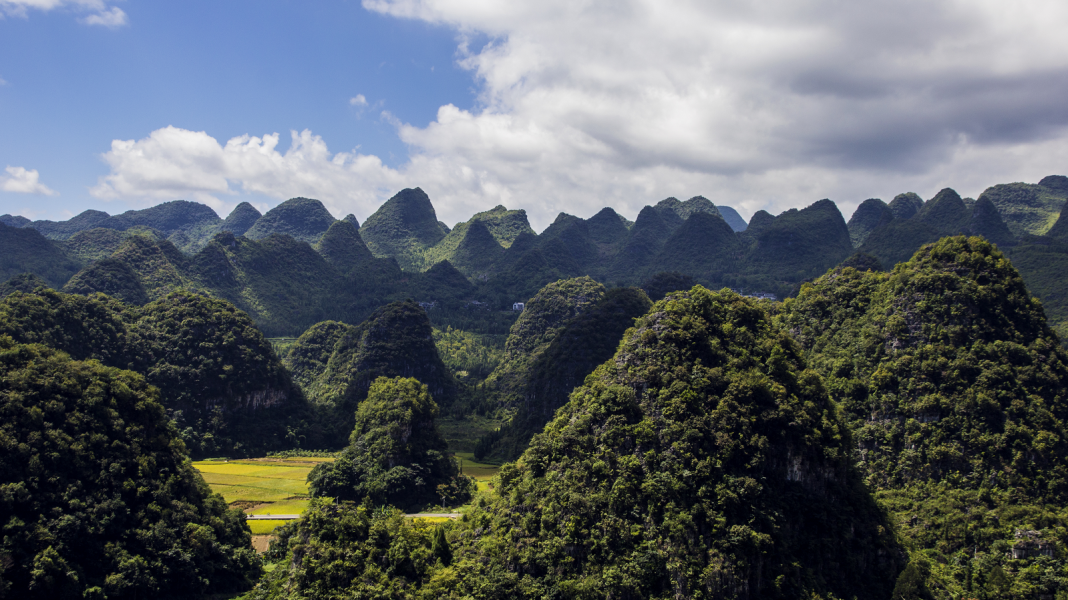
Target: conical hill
pixel 955 389
pixel 703 460
pixel 302 219
pixel 404 227
pixel 870 214
pixel 343 248
pixel 240 220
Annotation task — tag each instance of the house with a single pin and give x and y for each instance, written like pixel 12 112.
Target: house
pixel 519 306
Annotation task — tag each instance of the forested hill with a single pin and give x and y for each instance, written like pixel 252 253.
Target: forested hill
pixel 98 497
pixel 953 384
pixel 336 363
pixel 566 330
pixel 217 375
pixel 702 460
pixel 289 272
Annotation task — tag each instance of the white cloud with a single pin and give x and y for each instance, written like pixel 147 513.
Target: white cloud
pixel 755 105
pixel 20 180
pixel 111 18
pixel 3 81
pixel 178 163
pixel 358 100
pixel 100 13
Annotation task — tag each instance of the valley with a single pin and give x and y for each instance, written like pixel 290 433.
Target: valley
pixel 685 405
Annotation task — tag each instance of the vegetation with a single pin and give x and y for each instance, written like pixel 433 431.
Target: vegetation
pixel 870 214
pixel 24 250
pixel 469 356
pixel 536 387
pixel 702 460
pixel 1029 208
pixel 951 380
pixel 63 230
pixel 302 219
pixel 403 228
pixel 26 282
pixel 94 244
pixel 109 276
pixel 216 373
pixel 395 455
pixel 97 496
pixel 335 363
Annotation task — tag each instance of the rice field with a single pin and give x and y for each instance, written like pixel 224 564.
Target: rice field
pixel 261 486
pixel 279 486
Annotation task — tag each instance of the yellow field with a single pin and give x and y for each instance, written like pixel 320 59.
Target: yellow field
pixel 264 527
pixel 275 486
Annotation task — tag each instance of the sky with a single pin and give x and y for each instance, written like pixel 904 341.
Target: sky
pixel 549 105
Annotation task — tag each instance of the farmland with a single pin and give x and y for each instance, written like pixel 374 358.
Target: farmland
pixel 261 486
pixel 270 486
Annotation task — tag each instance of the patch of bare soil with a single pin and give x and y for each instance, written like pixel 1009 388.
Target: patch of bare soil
pixel 260 542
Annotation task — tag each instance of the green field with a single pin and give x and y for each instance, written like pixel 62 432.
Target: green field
pixel 261 486
pixel 275 486
pixel 482 472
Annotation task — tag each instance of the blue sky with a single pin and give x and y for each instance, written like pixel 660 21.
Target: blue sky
pixel 228 68
pixel 548 105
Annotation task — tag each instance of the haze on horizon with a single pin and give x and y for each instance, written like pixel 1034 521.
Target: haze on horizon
pixel 547 106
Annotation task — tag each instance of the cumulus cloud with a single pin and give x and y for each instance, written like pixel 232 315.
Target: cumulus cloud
pixel 178 163
pixel 20 180
pixel 764 105
pixel 358 100
pixel 99 11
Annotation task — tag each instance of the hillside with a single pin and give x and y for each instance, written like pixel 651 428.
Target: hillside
pixel 1029 208
pixel 952 383
pixel 870 214
pixel 62 230
pixel 94 244
pixel 702 460
pixel 213 368
pixel 536 381
pixel 395 455
pixel 335 363
pixel 99 495
pixel 25 282
pixel 25 250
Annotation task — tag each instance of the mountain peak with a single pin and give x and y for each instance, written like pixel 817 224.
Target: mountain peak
pixel 303 219
pixel 905 206
pixel 403 227
pixel 241 219
pixel 1057 183
pixel 870 214
pixel 946 212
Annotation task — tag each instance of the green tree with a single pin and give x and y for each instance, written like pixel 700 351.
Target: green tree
pixel 396 454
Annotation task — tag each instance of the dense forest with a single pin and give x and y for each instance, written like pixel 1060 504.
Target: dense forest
pixel 872 408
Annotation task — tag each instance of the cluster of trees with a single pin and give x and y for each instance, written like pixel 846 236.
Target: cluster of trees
pixel 217 375
pixel 953 386
pixel 97 495
pixel 395 456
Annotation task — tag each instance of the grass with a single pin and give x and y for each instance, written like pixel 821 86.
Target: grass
pixel 292 506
